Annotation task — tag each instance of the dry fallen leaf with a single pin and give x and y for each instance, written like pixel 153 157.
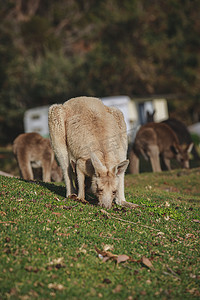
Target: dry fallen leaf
pixel 147 263
pixel 106 255
pixel 194 292
pixel 189 235
pixel 57 263
pixel 56 286
pixel 82 249
pixel 160 233
pixel 196 221
pixel 107 247
pixel 105 258
pixel 117 289
pixel 3 213
pixel 56 198
pixel 122 258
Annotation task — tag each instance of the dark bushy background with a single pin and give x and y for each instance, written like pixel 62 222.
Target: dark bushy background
pixel 53 50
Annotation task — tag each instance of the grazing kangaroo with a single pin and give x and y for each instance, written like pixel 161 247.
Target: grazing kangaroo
pixel 180 130
pixel 154 140
pixel 33 151
pixel 92 137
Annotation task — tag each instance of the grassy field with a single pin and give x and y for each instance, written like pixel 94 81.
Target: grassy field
pixel 57 248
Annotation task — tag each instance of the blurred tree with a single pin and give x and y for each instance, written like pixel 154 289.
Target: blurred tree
pixel 53 50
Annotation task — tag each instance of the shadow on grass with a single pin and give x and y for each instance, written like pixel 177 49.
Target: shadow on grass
pixel 59 190
pixel 56 189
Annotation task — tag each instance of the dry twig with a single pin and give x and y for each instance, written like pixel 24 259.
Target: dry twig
pixel 127 221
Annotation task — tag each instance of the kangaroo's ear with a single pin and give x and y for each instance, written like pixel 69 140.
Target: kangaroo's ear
pixel 189 147
pixel 121 167
pixel 175 148
pixel 97 164
pixel 150 115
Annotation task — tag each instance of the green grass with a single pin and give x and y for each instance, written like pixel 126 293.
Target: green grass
pixel 48 242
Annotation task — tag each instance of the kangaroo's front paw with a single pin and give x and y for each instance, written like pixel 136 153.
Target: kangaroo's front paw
pixel 129 204
pixel 72 196
pixel 82 200
pixel 76 198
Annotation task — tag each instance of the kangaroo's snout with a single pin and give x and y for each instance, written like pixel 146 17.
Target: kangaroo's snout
pixel 106 205
pixel 105 201
pixel 185 164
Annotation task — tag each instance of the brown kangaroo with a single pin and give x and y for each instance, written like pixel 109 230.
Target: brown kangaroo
pixel 180 130
pixel 33 151
pixel 154 140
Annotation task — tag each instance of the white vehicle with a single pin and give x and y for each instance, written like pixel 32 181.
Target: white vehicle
pixel 36 120
pixel 195 128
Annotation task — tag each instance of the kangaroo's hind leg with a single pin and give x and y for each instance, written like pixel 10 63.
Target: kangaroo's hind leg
pixel 58 140
pixel 24 165
pixel 47 166
pixel 134 163
pixel 153 153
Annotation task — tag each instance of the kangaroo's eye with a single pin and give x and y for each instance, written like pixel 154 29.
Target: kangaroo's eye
pixel 99 191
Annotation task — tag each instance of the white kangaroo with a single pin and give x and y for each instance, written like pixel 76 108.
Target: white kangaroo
pixel 92 137
pixel 33 151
